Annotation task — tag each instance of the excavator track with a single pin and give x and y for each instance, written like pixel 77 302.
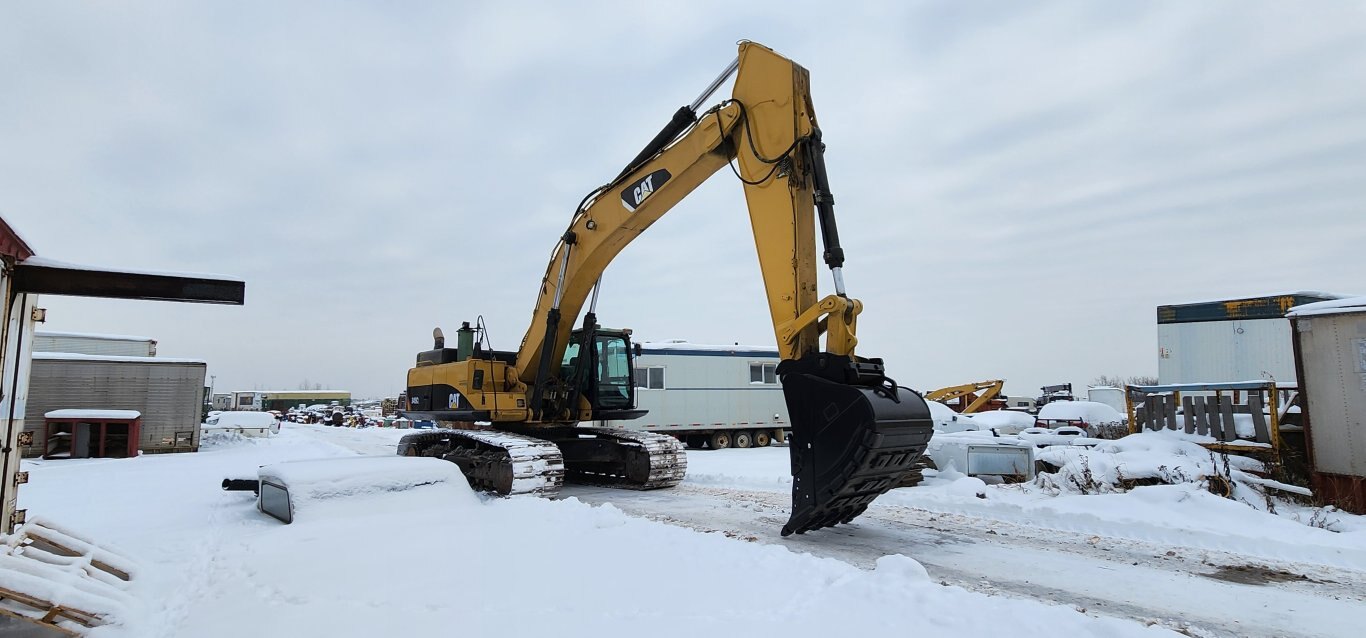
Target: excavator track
pixel 622 458
pixel 503 463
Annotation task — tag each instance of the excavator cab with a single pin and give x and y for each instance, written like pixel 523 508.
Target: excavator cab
pixel 598 366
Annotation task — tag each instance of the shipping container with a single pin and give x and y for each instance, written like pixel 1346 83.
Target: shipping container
pixel 1330 350
pixel 167 391
pixel 90 343
pixel 718 396
pixel 1244 339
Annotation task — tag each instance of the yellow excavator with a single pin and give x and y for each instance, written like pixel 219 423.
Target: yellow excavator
pixel 970 398
pixel 855 432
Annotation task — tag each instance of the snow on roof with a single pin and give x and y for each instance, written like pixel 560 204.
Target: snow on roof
pixel 1336 306
pixel 90 335
pixel 72 356
pixel 92 414
pixel 44 262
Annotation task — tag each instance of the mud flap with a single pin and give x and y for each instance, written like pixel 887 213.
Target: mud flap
pixel 850 444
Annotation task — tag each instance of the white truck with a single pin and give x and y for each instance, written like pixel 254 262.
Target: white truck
pixel 716 396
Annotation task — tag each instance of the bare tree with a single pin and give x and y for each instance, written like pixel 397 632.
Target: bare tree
pixel 1117 381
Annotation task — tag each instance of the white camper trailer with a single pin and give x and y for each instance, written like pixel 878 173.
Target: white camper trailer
pixel 707 395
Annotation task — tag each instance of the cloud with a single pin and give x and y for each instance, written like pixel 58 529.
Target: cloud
pixel 1018 184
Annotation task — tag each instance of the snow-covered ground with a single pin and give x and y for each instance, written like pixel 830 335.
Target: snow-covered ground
pixel 952 557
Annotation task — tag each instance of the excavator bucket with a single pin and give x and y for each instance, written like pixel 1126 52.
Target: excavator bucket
pixel 854 436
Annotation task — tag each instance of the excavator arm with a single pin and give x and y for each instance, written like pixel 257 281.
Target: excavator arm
pixel 770 128
pixel 855 432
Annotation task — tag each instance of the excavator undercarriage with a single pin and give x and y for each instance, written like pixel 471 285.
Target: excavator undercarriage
pixel 506 463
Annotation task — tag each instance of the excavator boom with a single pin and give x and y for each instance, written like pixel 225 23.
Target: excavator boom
pixel 855 432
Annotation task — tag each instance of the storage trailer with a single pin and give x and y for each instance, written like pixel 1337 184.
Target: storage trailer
pixel 709 395
pixel 1233 339
pixel 166 392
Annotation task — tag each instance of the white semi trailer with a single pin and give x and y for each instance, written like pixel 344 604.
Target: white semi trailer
pixel 710 395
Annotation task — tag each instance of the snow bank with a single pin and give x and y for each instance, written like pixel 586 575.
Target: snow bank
pixel 1146 457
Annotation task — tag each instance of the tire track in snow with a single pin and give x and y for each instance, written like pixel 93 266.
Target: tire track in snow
pixel 1138 580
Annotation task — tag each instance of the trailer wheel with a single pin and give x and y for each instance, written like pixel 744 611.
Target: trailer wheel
pixel 762 438
pixel 719 440
pixel 696 441
pixel 742 439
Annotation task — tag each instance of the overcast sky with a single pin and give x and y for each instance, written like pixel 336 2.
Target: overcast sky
pixel 1019 185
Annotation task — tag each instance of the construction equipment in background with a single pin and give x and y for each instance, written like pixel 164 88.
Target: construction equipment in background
pixel 1051 393
pixel 970 398
pixel 855 432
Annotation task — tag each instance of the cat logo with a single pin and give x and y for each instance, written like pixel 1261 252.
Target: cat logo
pixel 637 192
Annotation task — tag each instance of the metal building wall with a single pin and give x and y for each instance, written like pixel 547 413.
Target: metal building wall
pixel 1333 359
pixel 166 392
pixel 90 344
pixel 1235 350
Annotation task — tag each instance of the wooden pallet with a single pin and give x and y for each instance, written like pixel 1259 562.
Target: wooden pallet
pixel 32 541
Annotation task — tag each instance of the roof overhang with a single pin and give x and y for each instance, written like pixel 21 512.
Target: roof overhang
pixel 53 278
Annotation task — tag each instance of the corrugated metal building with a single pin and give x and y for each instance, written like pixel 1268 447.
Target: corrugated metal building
pixel 88 343
pixel 1230 340
pixel 168 393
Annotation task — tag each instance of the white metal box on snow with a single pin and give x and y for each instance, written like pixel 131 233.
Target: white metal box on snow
pixel 692 388
pixel 167 391
pixel 1231 340
pixel 975 455
pixel 1330 346
pixel 88 343
pixel 1113 397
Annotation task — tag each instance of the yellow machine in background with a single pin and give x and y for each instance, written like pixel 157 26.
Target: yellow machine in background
pixel 970 398
pixel 854 431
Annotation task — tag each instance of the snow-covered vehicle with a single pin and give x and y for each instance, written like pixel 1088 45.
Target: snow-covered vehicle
pixel 243 422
